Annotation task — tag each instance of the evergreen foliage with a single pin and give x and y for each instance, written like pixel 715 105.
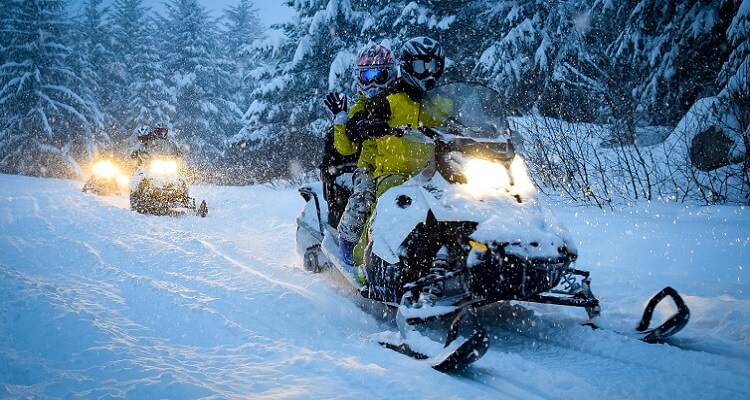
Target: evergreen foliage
pixel 48 116
pixel 248 106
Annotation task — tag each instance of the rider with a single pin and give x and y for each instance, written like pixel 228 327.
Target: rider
pixel 388 157
pixel 374 69
pixel 153 140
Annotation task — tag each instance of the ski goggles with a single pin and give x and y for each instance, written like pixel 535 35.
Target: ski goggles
pixel 378 76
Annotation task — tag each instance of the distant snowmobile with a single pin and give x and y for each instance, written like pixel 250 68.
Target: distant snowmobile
pixel 159 186
pixel 467 232
pixel 106 179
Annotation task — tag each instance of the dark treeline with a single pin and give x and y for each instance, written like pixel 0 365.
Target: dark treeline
pixel 75 81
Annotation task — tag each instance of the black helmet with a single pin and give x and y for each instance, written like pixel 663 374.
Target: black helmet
pixel 422 62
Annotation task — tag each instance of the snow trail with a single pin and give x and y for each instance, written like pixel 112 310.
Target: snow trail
pixel 97 301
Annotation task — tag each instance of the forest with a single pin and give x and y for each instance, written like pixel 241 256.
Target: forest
pixel 616 100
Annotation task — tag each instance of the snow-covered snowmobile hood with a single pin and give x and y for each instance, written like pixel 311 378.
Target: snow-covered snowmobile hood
pixel 502 219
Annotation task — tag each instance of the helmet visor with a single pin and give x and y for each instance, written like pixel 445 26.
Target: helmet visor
pixel 422 67
pixel 379 76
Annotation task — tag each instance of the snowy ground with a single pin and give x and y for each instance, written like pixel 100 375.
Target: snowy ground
pixel 99 302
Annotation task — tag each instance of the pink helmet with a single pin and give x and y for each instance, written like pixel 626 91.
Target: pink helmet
pixel 375 69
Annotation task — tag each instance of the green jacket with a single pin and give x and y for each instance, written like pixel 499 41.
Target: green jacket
pixel 402 155
pixel 341 142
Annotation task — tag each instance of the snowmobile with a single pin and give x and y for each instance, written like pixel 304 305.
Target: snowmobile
pixel 159 185
pixel 106 179
pixel 466 232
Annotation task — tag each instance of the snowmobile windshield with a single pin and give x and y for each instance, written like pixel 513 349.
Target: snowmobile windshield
pixel 468 109
pixel 474 144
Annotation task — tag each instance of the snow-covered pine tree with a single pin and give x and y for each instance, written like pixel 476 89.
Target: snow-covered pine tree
pixel 199 76
pixel 242 34
pixel 148 97
pixel 92 47
pixel 139 85
pixel 517 59
pixel 48 118
pixel 242 28
pixel 734 81
pixel 569 43
pixel 670 53
pixel 284 125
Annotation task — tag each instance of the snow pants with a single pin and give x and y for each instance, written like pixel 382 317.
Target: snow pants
pixel 358 206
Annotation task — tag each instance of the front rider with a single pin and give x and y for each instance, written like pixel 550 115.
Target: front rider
pixel 153 141
pixel 388 157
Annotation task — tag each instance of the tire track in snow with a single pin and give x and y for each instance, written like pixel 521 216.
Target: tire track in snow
pixel 255 272
pixel 548 342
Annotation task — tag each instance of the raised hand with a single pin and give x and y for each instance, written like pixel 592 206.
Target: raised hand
pixel 336 103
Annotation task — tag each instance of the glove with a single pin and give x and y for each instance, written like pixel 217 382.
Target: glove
pixel 336 103
pixel 360 129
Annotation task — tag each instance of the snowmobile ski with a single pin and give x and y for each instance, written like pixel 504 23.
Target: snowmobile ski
pixel 661 333
pixel 671 326
pixel 456 354
pixel 466 340
pixel 455 357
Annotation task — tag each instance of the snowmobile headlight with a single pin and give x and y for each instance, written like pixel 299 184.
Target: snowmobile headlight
pixel 105 169
pixel 164 167
pixel 123 180
pixel 486 178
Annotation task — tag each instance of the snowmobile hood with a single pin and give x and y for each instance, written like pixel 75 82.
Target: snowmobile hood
pixel 529 226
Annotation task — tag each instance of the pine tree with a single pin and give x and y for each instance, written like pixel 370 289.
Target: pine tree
pixel 198 77
pixel 48 118
pixel 242 28
pixel 670 53
pixel 149 97
pixel 287 118
pixel 572 57
pixel 95 56
pixel 734 78
pixel 517 59
pixel 137 82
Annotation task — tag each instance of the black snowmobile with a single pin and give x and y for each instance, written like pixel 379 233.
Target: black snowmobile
pixel 467 232
pixel 159 185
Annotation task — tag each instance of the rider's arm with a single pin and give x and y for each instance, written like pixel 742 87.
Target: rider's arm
pixel 372 121
pixel 342 143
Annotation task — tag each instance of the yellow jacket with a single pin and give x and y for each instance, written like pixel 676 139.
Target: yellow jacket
pixel 341 142
pixel 402 155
